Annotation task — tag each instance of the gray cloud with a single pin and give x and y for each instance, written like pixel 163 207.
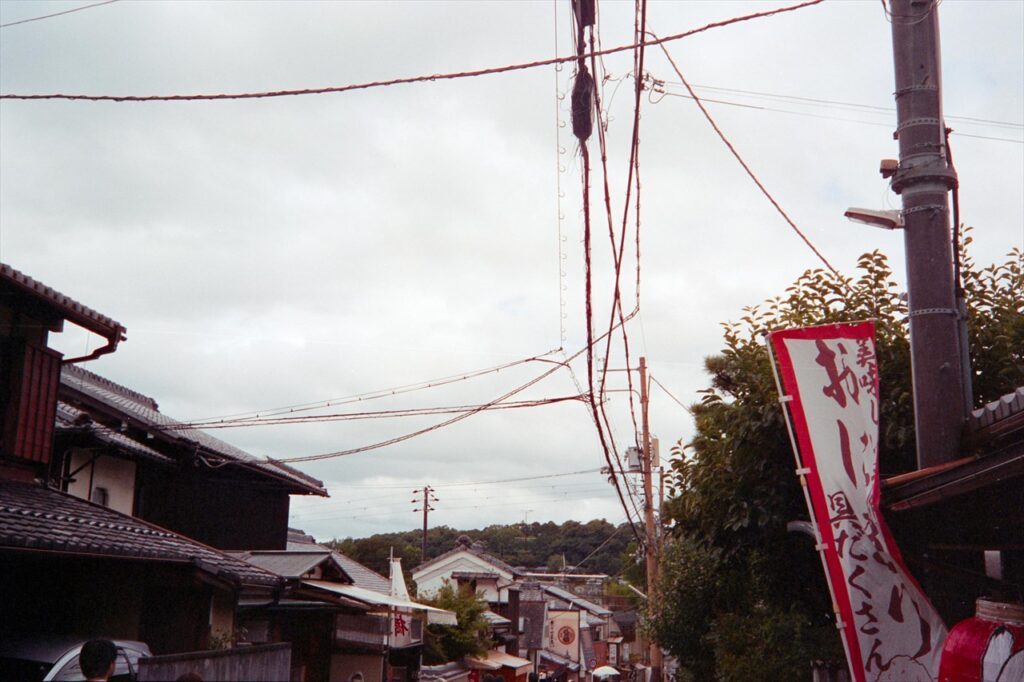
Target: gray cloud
pixel 274 252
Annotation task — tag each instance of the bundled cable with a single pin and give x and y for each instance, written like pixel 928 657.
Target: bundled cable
pixel 582 104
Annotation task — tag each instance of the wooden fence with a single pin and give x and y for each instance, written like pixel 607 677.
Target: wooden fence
pixel 262 663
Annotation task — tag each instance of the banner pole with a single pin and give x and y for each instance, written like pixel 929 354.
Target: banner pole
pixel 801 472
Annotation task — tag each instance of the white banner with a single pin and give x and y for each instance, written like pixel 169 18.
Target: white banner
pixel 829 376
pixel 564 634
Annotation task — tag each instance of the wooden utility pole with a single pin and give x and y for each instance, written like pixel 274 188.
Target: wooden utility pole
pixel 651 549
pixel 428 497
pixel 923 178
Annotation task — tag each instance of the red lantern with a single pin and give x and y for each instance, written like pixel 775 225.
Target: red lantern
pixel 986 648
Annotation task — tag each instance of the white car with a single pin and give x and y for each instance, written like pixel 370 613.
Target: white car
pixel 46 659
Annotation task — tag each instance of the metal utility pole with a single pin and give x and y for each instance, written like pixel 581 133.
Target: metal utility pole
pixel 428 497
pixel 651 542
pixel 923 179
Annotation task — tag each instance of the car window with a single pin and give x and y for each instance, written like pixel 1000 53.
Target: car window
pixel 20 669
pixel 125 668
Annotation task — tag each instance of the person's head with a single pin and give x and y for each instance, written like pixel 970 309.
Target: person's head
pixel 97 659
pixel 189 677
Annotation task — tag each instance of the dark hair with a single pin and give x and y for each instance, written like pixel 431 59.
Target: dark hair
pixel 189 677
pixel 96 657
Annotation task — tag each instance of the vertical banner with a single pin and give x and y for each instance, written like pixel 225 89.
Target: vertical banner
pixel 829 379
pixel 564 634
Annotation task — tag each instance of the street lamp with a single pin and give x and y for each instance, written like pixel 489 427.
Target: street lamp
pixel 887 220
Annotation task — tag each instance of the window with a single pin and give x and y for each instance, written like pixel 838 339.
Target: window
pixel 100 496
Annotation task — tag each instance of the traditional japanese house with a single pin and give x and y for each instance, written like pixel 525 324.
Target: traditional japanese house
pixel 115 447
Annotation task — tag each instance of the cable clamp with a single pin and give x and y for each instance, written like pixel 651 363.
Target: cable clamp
pixel 925 207
pixel 934 311
pixel 785 398
pixel 915 88
pixel 820 547
pixel 803 471
pixel 926 120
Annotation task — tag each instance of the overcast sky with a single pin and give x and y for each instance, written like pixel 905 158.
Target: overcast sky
pixel 276 252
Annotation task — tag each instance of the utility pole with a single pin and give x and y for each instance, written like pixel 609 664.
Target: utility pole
pixel 650 553
pixel 428 497
pixel 923 179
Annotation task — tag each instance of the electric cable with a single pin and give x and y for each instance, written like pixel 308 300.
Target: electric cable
pixel 748 170
pixel 407 80
pixel 371 395
pixel 669 394
pixel 57 14
pixel 351 416
pixel 825 117
pixel 489 482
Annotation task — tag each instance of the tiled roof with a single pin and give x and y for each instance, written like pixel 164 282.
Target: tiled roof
pixel 285 564
pixel 143 410
pixel 475 575
pixel 580 602
pixel 69 308
pixel 534 615
pixel 1009 404
pixel 995 414
pixel 495 618
pixel 463 547
pixel 552 657
pixel 361 576
pixel 37 518
pixel 71 419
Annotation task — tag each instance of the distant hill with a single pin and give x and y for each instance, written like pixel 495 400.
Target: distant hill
pixel 597 544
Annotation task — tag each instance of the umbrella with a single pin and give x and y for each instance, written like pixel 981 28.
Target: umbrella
pixel 606 671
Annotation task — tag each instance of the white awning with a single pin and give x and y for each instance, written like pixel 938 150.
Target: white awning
pixel 434 615
pixel 493 660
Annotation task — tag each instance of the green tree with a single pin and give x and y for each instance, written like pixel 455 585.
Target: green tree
pixel 744 580
pixel 444 643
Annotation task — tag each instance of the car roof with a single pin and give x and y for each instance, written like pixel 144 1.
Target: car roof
pixel 48 649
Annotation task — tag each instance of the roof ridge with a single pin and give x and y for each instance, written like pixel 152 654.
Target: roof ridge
pixel 106 383
pixel 19 278
pixel 119 521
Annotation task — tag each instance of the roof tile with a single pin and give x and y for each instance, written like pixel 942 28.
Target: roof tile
pixel 34 517
pixel 144 410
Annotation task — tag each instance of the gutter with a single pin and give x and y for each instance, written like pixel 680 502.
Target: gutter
pixel 116 337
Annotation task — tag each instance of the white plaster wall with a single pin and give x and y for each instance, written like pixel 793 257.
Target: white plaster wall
pixel 430 580
pixel 116 475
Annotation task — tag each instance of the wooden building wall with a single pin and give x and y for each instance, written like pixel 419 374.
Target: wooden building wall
pixel 214 508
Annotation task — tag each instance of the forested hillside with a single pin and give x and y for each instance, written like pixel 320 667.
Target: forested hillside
pixel 595 547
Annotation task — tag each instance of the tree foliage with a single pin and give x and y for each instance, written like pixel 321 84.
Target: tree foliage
pixel 733 579
pixel 444 643
pixel 535 545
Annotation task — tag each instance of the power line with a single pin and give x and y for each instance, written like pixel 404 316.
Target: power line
pixel 362 397
pixel 491 482
pixel 669 394
pixel 829 103
pixel 57 14
pixel 448 422
pixel 807 114
pixel 379 414
pixel 474 492
pixel 582 109
pixel 747 168
pixel 324 514
pixel 479 506
pixel 599 547
pixel 411 79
